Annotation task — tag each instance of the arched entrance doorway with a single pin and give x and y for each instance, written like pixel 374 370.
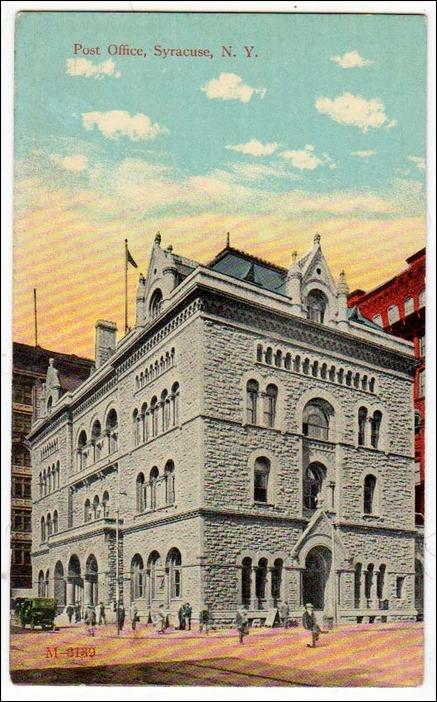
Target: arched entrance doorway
pixel 315 580
pixel 75 581
pixel 91 581
pixel 59 586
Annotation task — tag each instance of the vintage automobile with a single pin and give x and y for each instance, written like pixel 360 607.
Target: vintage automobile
pixel 38 611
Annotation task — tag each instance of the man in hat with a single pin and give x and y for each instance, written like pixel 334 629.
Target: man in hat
pixel 309 623
pixel 242 623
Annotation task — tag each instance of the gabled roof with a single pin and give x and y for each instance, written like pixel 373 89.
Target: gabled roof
pixel 354 314
pixel 244 266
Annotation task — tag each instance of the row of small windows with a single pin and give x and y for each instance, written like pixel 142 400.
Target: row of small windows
pixel 393 314
pixel 49 525
pixel 49 448
pixel 155 369
pixel 364 422
pixel 162 414
pixel 49 479
pixel 298 364
pixel 100 444
pixel 96 509
pixel 158 578
pixel 369 584
pixel 156 490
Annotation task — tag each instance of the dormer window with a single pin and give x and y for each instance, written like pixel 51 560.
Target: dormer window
pixel 155 303
pixel 317 303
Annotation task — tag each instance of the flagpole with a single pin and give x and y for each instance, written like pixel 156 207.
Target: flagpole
pixel 35 316
pixel 125 287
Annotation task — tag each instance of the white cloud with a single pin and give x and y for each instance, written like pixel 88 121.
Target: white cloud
pixel 364 154
pixel 259 171
pixel 351 59
pixel 419 161
pixel 88 69
pixel 254 148
pixel 306 159
pixel 75 163
pixel 116 123
pixel 355 111
pixel 229 86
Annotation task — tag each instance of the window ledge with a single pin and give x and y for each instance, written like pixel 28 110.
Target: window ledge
pixel 146 512
pixel 263 504
pixel 261 426
pixel 371 516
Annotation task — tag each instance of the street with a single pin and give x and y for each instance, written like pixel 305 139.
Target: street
pixel 362 655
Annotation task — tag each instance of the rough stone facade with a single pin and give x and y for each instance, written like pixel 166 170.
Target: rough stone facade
pixel 241 445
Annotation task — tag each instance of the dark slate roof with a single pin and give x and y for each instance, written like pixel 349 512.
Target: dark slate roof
pixel 355 315
pixel 243 266
pixel 73 370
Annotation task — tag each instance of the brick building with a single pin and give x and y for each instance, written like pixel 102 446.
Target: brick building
pixel 29 369
pixel 249 441
pixel 398 306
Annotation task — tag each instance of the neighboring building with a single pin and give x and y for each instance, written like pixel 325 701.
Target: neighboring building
pixel 222 453
pixel 29 369
pixel 398 306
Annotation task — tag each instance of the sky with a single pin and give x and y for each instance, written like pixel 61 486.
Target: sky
pixel 318 126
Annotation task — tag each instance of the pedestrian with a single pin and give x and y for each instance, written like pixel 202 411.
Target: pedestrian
pixel 121 616
pixel 77 612
pixel 70 612
pixel 242 623
pixel 134 616
pixel 160 620
pixel 309 623
pixel 204 621
pixel 188 610
pixel 284 613
pixel 102 614
pixel 181 618
pixel 91 620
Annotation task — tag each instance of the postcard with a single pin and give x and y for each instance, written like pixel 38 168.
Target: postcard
pixel 218 365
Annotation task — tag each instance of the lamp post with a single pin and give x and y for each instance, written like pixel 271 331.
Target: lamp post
pixel 117 558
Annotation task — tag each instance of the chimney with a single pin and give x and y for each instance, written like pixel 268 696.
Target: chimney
pixel 105 341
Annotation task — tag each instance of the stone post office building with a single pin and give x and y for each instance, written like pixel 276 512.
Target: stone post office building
pixel 249 441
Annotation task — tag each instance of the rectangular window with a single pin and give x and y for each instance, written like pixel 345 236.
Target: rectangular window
pixel 400 582
pixel 252 397
pixel 421 384
pixel 409 306
pixel 21 423
pixel 393 314
pixel 22 392
pixel 21 486
pixel 260 487
pixel 422 345
pixel 21 520
pixel 269 410
pixel 377 319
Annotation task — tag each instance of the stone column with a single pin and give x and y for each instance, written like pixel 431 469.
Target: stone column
pixel 87 591
pixel 373 590
pixel 270 598
pixel 148 592
pixel 167 586
pixel 70 592
pixel 253 598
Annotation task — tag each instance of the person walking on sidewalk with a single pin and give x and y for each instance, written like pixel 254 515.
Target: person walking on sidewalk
pixel 188 611
pixel 102 614
pixel 242 623
pixel 309 623
pixel 134 616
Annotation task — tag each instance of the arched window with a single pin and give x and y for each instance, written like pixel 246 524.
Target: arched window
pixel 136 427
pixel 41 584
pixel 157 584
pixel 44 482
pixel 144 419
pixel 357 585
pixel 169 474
pixel 368 581
pixel 317 303
pixel 270 398
pixel 278 358
pixel 393 314
pixel 277 581
pixel 314 479
pixel 332 374
pixel 87 511
pixel 49 405
pixel 375 426
pixel 40 485
pixel 96 507
pixel 105 504
pixel 140 491
pixel 155 303
pixel 287 361
pixel 58 474
pixel 43 529
pixel 324 371
pixel 380 582
pixel 261 479
pixel 137 577
pixel 96 440
pixel 175 400
pixel 417 422
pixel 371 384
pixel 49 524
pixel 153 482
pixel 246 581
pixel 317 415
pixel 296 364
pixel 112 430
pixel 315 369
pixel 259 353
pixel 81 452
pixel 165 411
pixel 269 356
pixel 252 389
pixel 174 564
pixel 154 416
pixel 408 306
pixel 55 522
pixel 369 494
pixel 362 425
